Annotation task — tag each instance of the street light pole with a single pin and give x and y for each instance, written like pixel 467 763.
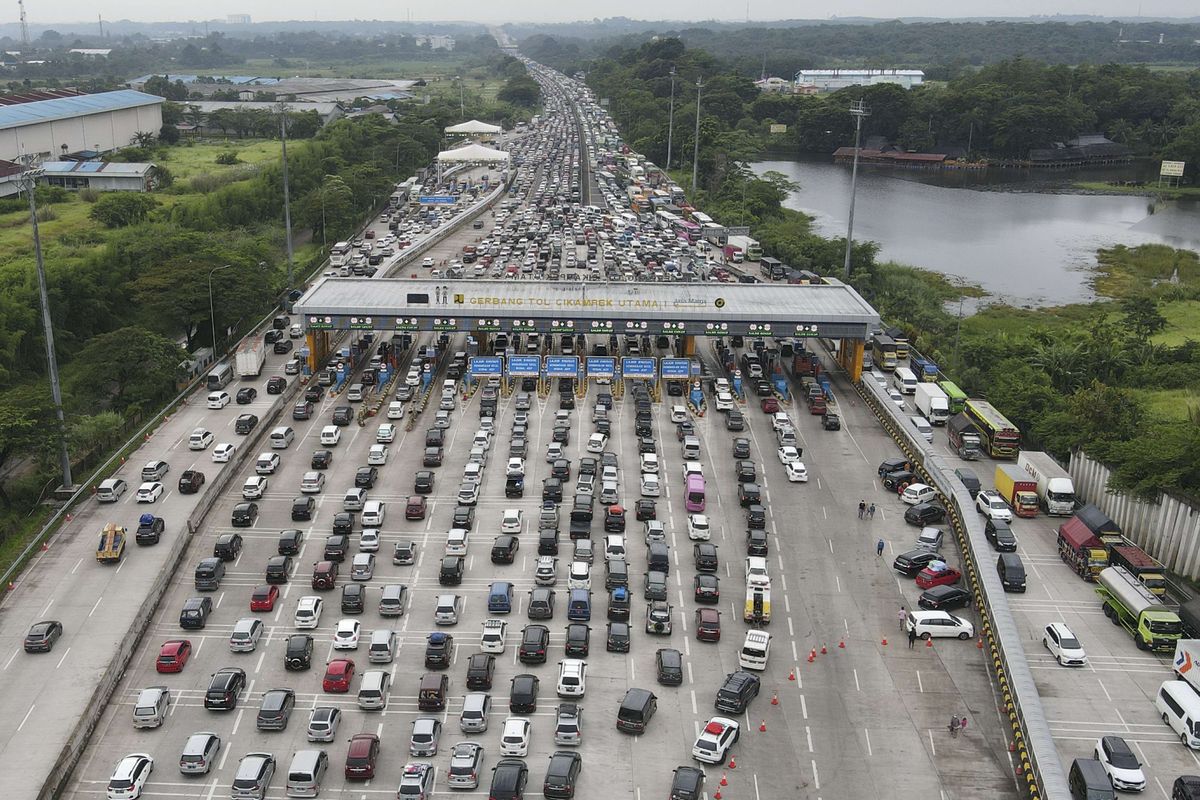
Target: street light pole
pixel 29 182
pixel 287 206
pixel 696 144
pixel 212 315
pixel 671 118
pixel 859 109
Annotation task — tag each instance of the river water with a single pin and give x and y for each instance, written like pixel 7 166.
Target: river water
pixel 1020 234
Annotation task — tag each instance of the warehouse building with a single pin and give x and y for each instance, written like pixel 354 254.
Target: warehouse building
pixel 830 80
pixel 102 122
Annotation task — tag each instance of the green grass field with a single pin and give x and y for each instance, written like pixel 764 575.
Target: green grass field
pixel 1183 322
pixel 1170 404
pixel 187 159
pixel 1165 193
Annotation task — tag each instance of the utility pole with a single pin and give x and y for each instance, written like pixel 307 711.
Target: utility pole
pixel 696 144
pixel 671 118
pixel 287 205
pixel 212 314
pixel 859 109
pixel 29 183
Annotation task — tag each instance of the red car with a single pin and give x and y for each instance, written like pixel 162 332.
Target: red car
pixel 338 675
pixel 263 597
pixel 708 625
pixel 928 577
pixel 770 405
pixel 415 508
pixel 173 656
pixel 362 755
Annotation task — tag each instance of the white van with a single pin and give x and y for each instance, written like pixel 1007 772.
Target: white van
pixel 383 646
pixel 281 437
pixel 447 609
pixel 691 448
pixel 355 393
pixel 923 427
pixel 331 435
pixel 1179 706
pixel 904 380
pixel 755 650
pixel 373 691
pixel 306 773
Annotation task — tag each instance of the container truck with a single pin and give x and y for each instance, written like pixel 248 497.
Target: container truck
pixel 758 604
pixel 250 357
pixel 1140 563
pixel 933 403
pixel 733 254
pixel 964 437
pixel 1135 608
pixel 1017 489
pixel 923 368
pixel 1081 550
pixel 1055 491
pixel 1187 662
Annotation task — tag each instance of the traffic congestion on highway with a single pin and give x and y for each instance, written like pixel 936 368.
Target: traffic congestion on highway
pixel 551 588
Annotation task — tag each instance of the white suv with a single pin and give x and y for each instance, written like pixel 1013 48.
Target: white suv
pixel 992 506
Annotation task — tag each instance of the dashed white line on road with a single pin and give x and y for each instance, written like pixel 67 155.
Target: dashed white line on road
pixel 64 658
pixel 803 707
pixel 816 777
pixel 867 734
pixel 97 605
pixel 857 687
pixel 77 563
pixel 26 717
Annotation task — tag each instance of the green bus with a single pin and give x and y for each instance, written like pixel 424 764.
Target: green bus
pixel 957 397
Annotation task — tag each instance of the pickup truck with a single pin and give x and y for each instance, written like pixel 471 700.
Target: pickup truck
pixel 992 505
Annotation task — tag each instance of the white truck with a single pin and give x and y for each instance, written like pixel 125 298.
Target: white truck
pixel 1187 661
pixel 250 357
pixel 932 403
pixel 1055 491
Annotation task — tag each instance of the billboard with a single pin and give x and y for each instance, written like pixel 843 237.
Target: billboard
pixel 675 368
pixel 777 128
pixel 562 366
pixel 437 200
pixel 601 366
pixel 524 366
pixel 486 365
pixel 1172 169
pixel 637 367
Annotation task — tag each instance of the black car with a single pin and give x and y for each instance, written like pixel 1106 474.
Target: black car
pixel 587 466
pixel 514 486
pixel 560 434
pixel 535 641
pixel 246 395
pixel 746 471
pixel 898 481
pixel 741 448
pixel 150 529
pixel 614 519
pixel 190 481
pixel 321 459
pixel 669 666
pixel 314 393
pixel 276 385
pixel 343 415
pixel 749 494
pixel 481 668
pixel 450 573
pixel 561 774
pixel 423 482
pixel 893 465
pixel 683 429
pixel 924 514
pixel 735 421
pixel 944 598
pixel 552 490
pixel 522 697
pixel 504 549
pixel 303 508
pixel 298 652
pixel 223 689
pixel 547 541
pixel 278 569
pixel 336 547
pixel 245 423
pixel 228 546
pixel 354 598
pixel 464 517
pixel 645 509
pixel 195 612
pixel 42 636
pixel 283 346
pixel 578 640
pixel 688 783
pixel 365 477
pixel 647 445
pixel 756 517
pixel 831 422
pixel 1000 535
pixel 290 541
pixel 706 588
pixel 618 637
pixel 912 562
pixel 432 457
pixel 969 479
pixel 705 555
pixel 244 515
pixel 439 647
pixel 561 469
pixel 756 542
pixel 509 777
pixel 343 523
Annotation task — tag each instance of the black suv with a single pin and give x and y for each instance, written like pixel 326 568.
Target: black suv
pixel 228 546
pixel 432 457
pixel 912 562
pixel 756 542
pixel 924 514
pixel 303 508
pixel 735 694
pixel 343 523
pixel 298 654
pixel 1000 535
pixel 245 423
pixel 688 783
pixel 535 641
pixel 195 612
pixel 423 482
pixel 705 554
pixel 669 666
pixel 438 649
pixel 246 395
pixel 343 415
pixel 290 541
pixel 561 774
pixel 150 529
pixel 504 549
pixel 190 481
pixel 451 571
pixel 522 697
pixel 321 459
pixel 481 667
pixel 578 636
pixel 365 477
pixel 223 689
pixel 354 598
pixel 336 547
pixel 749 494
pixel 464 517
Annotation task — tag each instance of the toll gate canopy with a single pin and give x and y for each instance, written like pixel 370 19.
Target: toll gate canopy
pixel 832 310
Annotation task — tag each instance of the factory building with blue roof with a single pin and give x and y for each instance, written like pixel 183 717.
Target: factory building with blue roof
pixel 51 129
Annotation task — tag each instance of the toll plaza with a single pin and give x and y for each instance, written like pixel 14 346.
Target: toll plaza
pixel 490 311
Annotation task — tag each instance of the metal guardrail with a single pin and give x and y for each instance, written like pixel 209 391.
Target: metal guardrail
pixel 1038 766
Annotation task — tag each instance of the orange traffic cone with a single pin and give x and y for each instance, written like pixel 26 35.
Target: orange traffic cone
pixel 775 699
pixel 732 762
pixel 724 780
pixel 979 643
pixel 45 547
pixel 885 641
pixel 762 726
pixel 792 674
pixel 812 655
pixel 842 644
pixel 929 642
pixel 717 795
pixel 823 650
pixel 12 586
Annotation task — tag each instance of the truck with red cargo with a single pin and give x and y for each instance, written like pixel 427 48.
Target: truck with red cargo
pixel 1079 548
pixel 1140 563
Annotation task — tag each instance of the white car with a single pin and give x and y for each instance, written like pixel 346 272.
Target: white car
pixel 200 439
pixel 572 677
pixel 473 473
pixel 580 576
pixel 1122 766
pixel 223 452
pixel 386 433
pixel 554 451
pixel 377 456
pixel 254 487
pixel 1063 645
pixel 514 741
pixel 756 572
pixel 780 420
pixel 373 513
pixel 331 435
pixel 896 397
pixel 546 571
pixel 312 482
pixel 650 485
pixel 149 492
pixel 512 521
pixel 413 378
pixel 721 384
pixel 931 624
pixel 692 468
pixel 395 410
pixel 516 466
pixel 796 472
pixel 919 493
pixel 650 462
pixel 266 463
pixel 218 399
pixel 368 540
pixel 724 401
pixel 596 443
pixel 468 493
pixel 715 740
pixel 698 530
pixel 346 635
pixel 788 454
pixel 679 414
pixel 492 640
pixel 308 612
pixel 130 776
pixel 614 546
pixel 457 541
pixel 991 505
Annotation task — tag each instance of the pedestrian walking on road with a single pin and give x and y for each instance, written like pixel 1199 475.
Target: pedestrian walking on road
pixel 871 512
pixel 954 726
pixel 862 508
pixel 879 548
pixel 912 638
pixel 902 615
pixel 963 724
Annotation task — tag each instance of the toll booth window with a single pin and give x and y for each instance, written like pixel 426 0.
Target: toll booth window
pixel 415 298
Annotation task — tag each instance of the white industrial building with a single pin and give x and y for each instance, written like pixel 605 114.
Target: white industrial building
pixel 830 80
pixel 100 122
pixel 104 176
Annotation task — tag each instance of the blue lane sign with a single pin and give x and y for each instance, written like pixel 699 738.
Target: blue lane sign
pixel 601 367
pixel 637 367
pixel 486 365
pixel 675 368
pixel 562 366
pixel 437 200
pixel 524 366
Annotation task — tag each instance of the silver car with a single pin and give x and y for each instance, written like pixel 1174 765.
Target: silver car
pixel 466 762
pixel 426 731
pixel 323 724
pixel 199 753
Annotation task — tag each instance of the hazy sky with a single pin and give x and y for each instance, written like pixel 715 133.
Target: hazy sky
pixel 42 12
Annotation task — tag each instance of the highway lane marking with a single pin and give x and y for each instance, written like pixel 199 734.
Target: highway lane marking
pixel 97 605
pixel 212 788
pixel 816 777
pixel 1102 687
pixel 755 776
pixel 10 658
pixel 867 734
pixel 26 717
pixel 64 658
pixel 803 703
pixel 237 722
pixel 920 686
pixel 808 737
pixel 77 563
pixel 857 686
